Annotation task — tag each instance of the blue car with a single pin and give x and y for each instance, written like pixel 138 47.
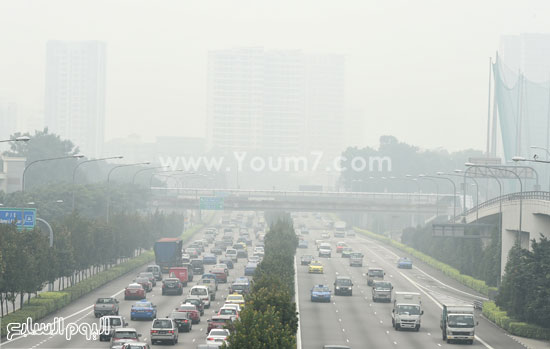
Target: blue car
pixel 320 293
pixel 143 310
pixel 404 263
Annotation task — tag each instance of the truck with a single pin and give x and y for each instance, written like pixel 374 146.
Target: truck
pixel 407 310
pixel 457 322
pixel 168 253
pixel 180 273
pixel 356 259
pixel 106 306
pixel 340 229
pixel 381 291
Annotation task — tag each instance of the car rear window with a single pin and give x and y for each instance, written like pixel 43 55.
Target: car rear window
pixel 162 324
pixel 105 301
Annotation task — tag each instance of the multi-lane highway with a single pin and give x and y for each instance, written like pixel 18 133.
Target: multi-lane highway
pixel 81 311
pixel 359 322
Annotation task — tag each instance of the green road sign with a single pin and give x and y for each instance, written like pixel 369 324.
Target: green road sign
pixel 211 203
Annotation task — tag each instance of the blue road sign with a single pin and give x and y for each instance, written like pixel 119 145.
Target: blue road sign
pixel 24 218
pixel 211 203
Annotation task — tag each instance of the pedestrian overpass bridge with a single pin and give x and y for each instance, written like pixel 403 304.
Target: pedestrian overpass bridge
pixel 171 199
pixel 520 216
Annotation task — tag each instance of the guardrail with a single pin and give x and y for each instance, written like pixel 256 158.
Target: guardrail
pixel 526 195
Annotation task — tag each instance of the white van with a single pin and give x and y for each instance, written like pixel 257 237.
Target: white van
pixel 203 292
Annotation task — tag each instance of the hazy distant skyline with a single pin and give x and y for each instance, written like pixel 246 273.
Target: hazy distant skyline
pixel 418 69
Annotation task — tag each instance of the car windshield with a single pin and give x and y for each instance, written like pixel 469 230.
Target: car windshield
pixel 162 324
pixel 114 321
pixel 382 286
pixel 343 282
pixel 320 289
pixel 461 321
pixel 356 255
pixel 178 315
pixel 218 333
pixel 143 305
pixel 125 335
pixel 199 291
pixel 227 311
pixel 135 286
pixel 238 287
pixel 196 263
pixel 315 264
pixel 152 269
pixel 408 310
pixel 141 279
pixel 376 273
pixel 234 298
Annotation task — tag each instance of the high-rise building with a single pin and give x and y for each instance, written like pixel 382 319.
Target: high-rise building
pixel 280 102
pixel 8 119
pixel 75 93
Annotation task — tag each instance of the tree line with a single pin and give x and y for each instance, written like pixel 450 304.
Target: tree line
pixel 269 318
pixel 525 288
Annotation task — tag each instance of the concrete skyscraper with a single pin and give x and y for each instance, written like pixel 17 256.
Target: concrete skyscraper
pixel 75 93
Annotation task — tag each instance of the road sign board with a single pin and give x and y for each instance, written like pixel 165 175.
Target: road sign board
pixel 24 218
pixel 211 203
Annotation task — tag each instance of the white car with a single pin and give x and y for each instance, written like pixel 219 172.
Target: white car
pixel 217 335
pixel 231 253
pixel 203 292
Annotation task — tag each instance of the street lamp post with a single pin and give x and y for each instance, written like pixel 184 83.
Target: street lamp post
pixel 469 164
pixel 82 163
pixel 536 160
pixel 109 180
pixel 454 191
pixel 464 192
pixel 77 156
pixel 143 170
pixel 18 139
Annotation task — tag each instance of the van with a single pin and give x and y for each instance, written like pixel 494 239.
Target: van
pixel 180 273
pixel 155 269
pixel 250 269
pixel 375 274
pixel 203 293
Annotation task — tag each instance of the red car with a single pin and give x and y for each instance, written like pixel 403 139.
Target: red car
pixel 134 291
pixel 221 276
pixel 219 321
pixel 340 246
pixel 192 309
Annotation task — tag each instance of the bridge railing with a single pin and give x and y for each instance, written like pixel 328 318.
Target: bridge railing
pixel 526 195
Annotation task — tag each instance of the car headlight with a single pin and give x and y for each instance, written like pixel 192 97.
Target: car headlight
pixel 337 287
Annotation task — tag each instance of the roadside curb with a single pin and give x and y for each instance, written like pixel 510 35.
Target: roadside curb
pixel 297 301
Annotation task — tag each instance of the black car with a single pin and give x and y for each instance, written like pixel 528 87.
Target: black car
pixel 228 262
pixel 306 259
pixel 343 286
pixel 196 301
pixel 198 266
pixel 172 286
pixel 183 320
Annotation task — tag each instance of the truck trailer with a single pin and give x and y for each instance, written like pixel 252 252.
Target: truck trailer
pixel 168 253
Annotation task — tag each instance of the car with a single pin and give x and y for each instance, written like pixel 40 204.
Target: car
pixel 346 252
pixel 302 244
pixel 196 301
pixel 404 263
pixel 343 286
pixel 155 269
pixel 192 252
pixel 190 273
pixel 164 330
pixel 228 262
pixel 235 298
pixel 134 291
pixel 235 306
pixel 315 267
pixel 231 253
pixel 375 274
pixel 325 250
pixel 250 269
pixel 172 286
pixel 211 276
pixel 203 292
pixel 229 311
pixel 209 258
pixel 124 335
pixel 135 345
pixel 219 321
pixel 222 266
pixel 320 293
pixel 216 251
pixel 108 324
pixel 143 309
pixel 150 276
pixel 306 259
pixel 221 276
pixel 350 233
pixel 240 288
pixel 340 246
pixel 211 284
pixel 242 254
pixel 217 335
pixel 145 282
pixel 198 266
pixel 185 258
pixel 254 259
pixel 194 313
pixel 106 306
pixel 183 320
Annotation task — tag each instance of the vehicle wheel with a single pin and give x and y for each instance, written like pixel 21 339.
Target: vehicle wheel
pixel 417 328
pixel 96 315
pixel 449 341
pixel 471 341
pixel 397 327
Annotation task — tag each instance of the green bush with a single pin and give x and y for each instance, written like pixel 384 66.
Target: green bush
pixel 478 285
pixel 492 312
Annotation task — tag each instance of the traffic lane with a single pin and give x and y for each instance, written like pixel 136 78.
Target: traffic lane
pixel 366 322
pixel 493 337
pixel 79 311
pixel 318 322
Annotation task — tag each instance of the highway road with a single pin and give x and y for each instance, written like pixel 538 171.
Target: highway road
pixel 359 322
pixel 81 312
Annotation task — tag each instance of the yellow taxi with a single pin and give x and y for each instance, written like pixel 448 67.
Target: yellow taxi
pixel 315 267
pixel 235 298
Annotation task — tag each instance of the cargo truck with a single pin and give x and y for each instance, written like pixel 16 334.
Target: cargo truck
pixel 168 253
pixel 407 310
pixel 457 322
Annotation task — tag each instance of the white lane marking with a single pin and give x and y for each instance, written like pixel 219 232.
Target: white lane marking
pixel 297 300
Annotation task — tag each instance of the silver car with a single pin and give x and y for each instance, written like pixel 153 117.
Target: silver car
pixel 164 330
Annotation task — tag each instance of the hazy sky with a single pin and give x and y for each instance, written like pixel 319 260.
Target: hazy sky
pixel 418 68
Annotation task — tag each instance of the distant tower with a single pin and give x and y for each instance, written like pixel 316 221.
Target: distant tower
pixel 75 93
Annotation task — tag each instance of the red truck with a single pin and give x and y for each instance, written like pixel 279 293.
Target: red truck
pixel 181 273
